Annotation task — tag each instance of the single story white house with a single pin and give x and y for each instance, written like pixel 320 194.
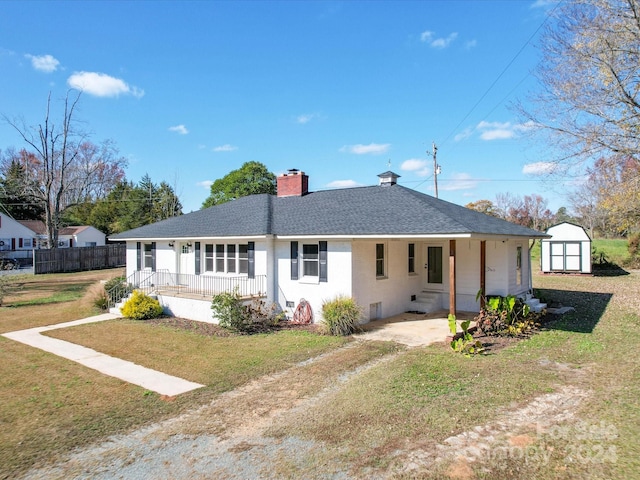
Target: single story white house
pixel 568 250
pixel 391 248
pixel 14 236
pixel 79 236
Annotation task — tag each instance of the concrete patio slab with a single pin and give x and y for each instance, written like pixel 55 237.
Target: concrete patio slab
pixel 412 329
pixel 124 370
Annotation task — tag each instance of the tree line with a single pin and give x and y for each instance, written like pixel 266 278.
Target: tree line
pixel 62 178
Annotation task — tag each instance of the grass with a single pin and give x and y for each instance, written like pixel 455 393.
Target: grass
pixel 49 405
pixel 426 395
pixel 370 426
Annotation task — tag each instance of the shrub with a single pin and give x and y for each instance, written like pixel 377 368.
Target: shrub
pixel 232 314
pixel 506 316
pixel 463 342
pixel 101 300
pixel 141 307
pixel 341 316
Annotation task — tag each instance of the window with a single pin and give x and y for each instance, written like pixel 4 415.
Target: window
pixel 229 258
pixel 243 258
pixel 86 244
pixel 519 265
pixel 412 258
pixel 219 257
pixel 380 260
pixel 148 255
pixel 208 257
pixel 310 260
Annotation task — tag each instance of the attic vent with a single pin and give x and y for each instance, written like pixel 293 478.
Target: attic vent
pixel 388 178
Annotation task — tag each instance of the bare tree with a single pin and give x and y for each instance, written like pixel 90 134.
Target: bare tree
pixel 64 167
pixel 589 102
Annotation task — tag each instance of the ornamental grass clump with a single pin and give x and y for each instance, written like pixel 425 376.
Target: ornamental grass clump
pixel 141 307
pixel 341 316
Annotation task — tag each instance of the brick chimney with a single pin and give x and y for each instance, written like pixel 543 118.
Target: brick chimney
pixel 294 183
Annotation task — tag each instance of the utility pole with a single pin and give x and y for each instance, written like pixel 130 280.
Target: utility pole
pixel 436 168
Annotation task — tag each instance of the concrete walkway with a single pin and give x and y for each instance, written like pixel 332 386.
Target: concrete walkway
pixel 128 371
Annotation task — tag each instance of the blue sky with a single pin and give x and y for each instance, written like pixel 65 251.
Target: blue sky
pixel 341 90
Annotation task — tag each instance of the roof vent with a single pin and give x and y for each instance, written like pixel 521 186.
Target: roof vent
pixel 388 178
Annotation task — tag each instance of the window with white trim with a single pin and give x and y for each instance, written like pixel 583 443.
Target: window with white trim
pixel 228 258
pixel 148 256
pixel 380 261
pixel 310 260
pixel 208 257
pixel 519 265
pixel 412 258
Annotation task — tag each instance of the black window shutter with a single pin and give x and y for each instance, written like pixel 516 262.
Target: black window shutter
pixel 197 244
pixel 139 255
pixel 153 256
pixel 251 260
pixel 322 251
pixel 294 260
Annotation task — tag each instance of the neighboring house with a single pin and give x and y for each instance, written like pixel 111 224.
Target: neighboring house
pixel 567 251
pixel 81 236
pixel 14 236
pixel 391 248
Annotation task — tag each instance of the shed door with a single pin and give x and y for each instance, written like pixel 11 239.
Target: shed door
pixel 565 256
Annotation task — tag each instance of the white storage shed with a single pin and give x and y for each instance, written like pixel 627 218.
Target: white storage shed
pixel 567 251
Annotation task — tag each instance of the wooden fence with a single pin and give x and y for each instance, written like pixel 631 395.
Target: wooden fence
pixel 79 258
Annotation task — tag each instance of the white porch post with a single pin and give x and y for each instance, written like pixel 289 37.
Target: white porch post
pixel 272 277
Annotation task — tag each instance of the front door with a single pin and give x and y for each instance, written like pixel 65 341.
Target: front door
pixel 433 267
pixel 185 258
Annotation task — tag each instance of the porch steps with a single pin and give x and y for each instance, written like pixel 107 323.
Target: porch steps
pixel 425 302
pixel 534 304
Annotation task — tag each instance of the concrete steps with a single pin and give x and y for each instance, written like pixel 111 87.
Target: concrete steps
pixel 534 304
pixel 426 302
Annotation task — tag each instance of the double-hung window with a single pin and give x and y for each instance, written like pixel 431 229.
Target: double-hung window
pixel 412 258
pixel 227 258
pixel 148 255
pixel 310 260
pixel 380 265
pixel 208 257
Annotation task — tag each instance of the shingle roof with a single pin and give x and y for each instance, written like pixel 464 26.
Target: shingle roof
pixel 378 210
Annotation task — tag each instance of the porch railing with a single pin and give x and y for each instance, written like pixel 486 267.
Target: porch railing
pixel 167 283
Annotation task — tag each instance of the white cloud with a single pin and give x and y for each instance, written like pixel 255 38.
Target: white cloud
pixel 494 130
pixel 205 183
pixel 466 133
pixel 426 36
pixel 419 166
pixel 306 118
pixel 443 42
pixel 343 184
pixel 459 181
pixel 181 129
pixel 373 148
pixel 102 85
pixel 44 63
pixel 471 44
pixel 225 148
pixel 539 168
pixel 497 134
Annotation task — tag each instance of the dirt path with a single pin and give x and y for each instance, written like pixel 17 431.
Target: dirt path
pixel 227 438
pixel 224 439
